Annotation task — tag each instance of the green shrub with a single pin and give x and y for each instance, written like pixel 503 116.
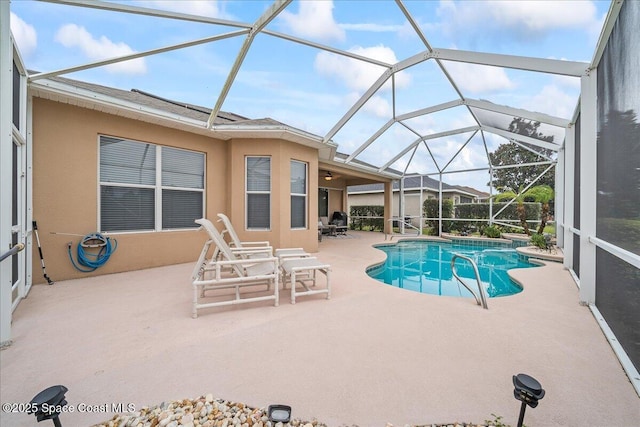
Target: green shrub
pixel 538 240
pixel 492 232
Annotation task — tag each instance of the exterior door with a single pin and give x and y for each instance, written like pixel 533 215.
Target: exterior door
pixel 14 202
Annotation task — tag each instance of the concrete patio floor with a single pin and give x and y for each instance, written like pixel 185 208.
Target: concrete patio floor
pixel 370 355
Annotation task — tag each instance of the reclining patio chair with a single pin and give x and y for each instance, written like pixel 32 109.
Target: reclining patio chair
pixel 232 271
pixel 235 240
pixel 253 249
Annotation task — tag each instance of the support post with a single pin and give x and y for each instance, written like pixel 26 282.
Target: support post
pixel 569 170
pixel 388 207
pixel 588 186
pixel 6 169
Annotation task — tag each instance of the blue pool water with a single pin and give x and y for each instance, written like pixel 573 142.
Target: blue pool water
pixel 425 267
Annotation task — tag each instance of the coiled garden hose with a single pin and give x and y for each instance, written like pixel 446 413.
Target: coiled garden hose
pixel 92 260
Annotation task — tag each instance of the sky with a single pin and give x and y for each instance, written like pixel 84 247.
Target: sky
pixel 312 89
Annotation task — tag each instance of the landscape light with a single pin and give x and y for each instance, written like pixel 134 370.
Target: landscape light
pixel 279 413
pixel 48 404
pixel 527 390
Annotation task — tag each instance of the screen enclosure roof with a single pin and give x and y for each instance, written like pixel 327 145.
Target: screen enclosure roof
pixel 404 87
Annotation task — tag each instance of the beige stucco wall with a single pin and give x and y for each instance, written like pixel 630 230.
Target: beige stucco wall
pixel 65 189
pixel 365 199
pixel 335 202
pixel 281 153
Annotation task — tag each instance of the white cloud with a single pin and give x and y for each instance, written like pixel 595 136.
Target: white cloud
pixel 25 35
pixel 478 78
pixel 520 19
pixel 379 107
pixel 552 100
pixel 372 27
pixel 209 8
pixel 314 20
pixel 358 75
pixel 567 81
pixel 71 35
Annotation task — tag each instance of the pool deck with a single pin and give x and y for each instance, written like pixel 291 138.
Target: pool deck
pixel 372 354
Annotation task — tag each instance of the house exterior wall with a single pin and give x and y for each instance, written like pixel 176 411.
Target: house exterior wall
pixel 360 199
pixel 412 201
pixel 335 202
pixel 281 154
pixel 66 189
pixel 366 200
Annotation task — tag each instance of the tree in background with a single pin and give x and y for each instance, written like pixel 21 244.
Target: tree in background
pixel 515 178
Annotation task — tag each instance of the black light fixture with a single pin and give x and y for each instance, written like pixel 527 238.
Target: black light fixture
pixel 279 413
pixel 328 176
pixel 48 404
pixel 527 390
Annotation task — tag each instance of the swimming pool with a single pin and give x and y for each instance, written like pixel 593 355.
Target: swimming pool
pixel 425 266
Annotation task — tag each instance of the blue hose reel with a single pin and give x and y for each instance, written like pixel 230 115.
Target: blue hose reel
pixel 93 251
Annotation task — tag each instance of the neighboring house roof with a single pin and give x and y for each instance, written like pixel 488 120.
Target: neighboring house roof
pixel 412 182
pixel 478 193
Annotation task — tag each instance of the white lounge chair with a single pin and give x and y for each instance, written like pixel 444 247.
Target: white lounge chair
pixel 235 240
pixel 232 271
pixel 241 247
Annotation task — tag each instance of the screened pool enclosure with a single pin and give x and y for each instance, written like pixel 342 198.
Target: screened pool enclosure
pixel 396 106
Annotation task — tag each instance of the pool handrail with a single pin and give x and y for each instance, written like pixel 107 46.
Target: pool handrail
pixel 405 224
pixel 483 296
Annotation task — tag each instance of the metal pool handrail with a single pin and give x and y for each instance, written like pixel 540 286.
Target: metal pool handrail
pixel 483 296
pixel 406 224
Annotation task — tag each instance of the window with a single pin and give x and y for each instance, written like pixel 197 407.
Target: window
pixel 258 191
pixel 298 194
pixel 146 187
pixel 464 199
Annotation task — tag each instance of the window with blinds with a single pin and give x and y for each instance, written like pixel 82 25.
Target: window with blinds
pixel 258 193
pixel 147 187
pixel 298 194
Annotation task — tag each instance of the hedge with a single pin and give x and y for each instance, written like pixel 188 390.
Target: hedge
pixel 481 211
pixel 431 209
pixel 369 217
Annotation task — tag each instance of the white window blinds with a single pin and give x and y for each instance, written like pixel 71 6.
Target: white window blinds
pixel 258 192
pixel 298 194
pixel 133 197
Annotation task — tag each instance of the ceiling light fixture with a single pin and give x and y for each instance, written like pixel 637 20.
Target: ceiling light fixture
pixel 328 176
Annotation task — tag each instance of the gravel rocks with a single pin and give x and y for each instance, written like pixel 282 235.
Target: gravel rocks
pixel 207 411
pixel 204 411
